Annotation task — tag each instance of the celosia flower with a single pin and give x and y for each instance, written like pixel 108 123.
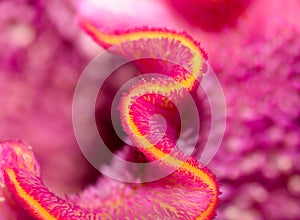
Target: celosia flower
pixel 255 53
pixel 254 47
pixel 194 192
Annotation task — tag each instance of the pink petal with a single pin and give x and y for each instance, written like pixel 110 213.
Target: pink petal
pixel 14 153
pixel 111 199
pixel 194 189
pixel 149 97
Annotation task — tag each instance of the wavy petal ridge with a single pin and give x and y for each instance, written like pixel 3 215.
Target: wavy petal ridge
pixel 196 183
pixel 159 92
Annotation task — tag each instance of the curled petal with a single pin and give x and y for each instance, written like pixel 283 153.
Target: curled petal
pixel 114 200
pixel 14 153
pixel 154 97
pixel 190 192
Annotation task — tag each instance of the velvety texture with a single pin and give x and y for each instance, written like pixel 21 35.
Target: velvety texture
pixel 256 58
